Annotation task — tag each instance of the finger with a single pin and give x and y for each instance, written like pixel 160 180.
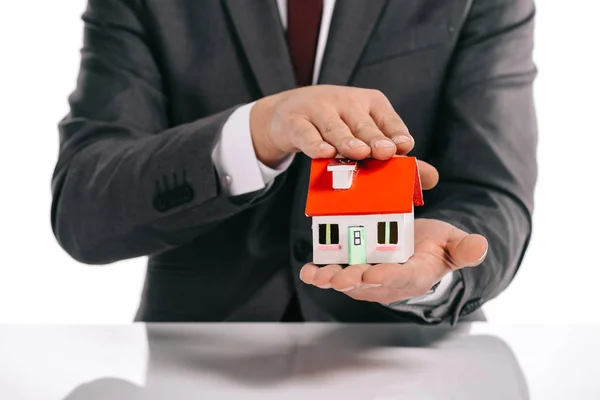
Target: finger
pixel 306 138
pixel 429 175
pixel 335 132
pixel 349 278
pixel 308 272
pixel 415 278
pixel 323 276
pixel 379 295
pixel 466 250
pixel 363 127
pixel 390 123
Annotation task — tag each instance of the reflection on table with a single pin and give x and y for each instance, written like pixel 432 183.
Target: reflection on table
pixel 295 361
pixel 362 362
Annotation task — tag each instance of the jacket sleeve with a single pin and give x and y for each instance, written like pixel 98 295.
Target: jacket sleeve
pixel 486 147
pixel 126 184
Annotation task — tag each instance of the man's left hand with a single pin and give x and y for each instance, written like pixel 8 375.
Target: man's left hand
pixel 439 249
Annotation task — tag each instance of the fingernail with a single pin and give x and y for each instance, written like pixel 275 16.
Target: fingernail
pixel 370 285
pixel 384 143
pixel 483 257
pixel 401 139
pixel 325 146
pixel 346 289
pixel 325 286
pixel 356 143
pixel 478 262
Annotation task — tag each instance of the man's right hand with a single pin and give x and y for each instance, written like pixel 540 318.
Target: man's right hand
pixel 323 121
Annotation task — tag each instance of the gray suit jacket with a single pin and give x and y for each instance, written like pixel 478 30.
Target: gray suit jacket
pixel 157 81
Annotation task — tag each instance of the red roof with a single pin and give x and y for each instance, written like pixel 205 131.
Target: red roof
pixel 379 187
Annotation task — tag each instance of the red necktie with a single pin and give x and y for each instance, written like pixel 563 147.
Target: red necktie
pixel 304 22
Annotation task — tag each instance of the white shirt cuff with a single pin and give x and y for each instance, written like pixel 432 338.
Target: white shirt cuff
pixel 433 299
pixel 269 174
pixel 234 158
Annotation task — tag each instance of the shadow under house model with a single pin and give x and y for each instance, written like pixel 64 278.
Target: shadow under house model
pixel 363 211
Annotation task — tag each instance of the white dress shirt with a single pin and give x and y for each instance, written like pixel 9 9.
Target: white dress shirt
pixel 241 172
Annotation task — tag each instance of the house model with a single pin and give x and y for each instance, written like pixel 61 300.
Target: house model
pixel 363 211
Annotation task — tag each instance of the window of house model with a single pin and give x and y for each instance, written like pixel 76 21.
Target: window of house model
pixel 387 232
pixel 329 234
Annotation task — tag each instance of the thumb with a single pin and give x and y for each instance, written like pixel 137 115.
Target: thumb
pixel 466 250
pixel 429 175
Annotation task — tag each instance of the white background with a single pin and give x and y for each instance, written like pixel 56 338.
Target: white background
pixel 39 42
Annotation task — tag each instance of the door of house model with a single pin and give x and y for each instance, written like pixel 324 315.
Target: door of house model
pixel 357 249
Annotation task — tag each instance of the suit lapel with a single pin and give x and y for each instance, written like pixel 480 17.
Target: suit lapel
pixel 351 26
pixel 258 26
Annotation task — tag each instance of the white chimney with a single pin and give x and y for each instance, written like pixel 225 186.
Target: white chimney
pixel 343 173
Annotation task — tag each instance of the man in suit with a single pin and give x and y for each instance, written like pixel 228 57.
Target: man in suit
pixel 193 124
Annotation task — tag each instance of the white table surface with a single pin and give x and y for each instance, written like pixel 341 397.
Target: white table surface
pixel 299 361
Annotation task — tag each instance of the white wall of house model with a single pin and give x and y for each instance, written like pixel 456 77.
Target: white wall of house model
pixel 377 253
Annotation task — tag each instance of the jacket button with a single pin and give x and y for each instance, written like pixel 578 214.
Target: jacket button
pixel 170 200
pixel 173 198
pixel 302 251
pixel 469 307
pixel 160 203
pixel 187 193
